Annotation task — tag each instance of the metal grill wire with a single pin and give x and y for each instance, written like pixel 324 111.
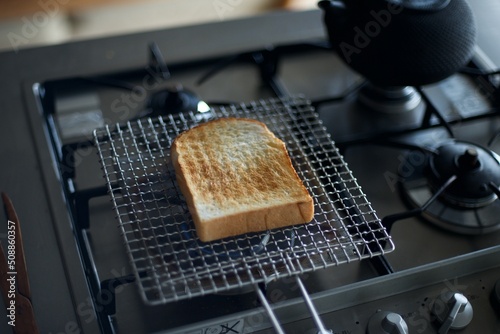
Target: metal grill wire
pixel 170 263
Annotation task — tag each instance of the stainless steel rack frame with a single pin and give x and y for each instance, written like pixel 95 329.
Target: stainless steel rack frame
pixel 169 261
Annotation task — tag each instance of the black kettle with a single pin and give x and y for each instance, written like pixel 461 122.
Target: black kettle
pixel 401 42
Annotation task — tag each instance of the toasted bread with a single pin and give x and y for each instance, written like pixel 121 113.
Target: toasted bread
pixel 237 177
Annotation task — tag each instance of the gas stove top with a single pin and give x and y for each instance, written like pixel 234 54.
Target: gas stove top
pixel 441 215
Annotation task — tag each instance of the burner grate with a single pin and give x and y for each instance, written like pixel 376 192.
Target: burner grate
pixel 170 263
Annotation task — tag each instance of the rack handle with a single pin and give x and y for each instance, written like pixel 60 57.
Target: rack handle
pixel 308 302
pixel 312 309
pixel 269 310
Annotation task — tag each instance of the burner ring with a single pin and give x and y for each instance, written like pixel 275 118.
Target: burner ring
pixel 172 100
pixel 456 210
pixel 474 166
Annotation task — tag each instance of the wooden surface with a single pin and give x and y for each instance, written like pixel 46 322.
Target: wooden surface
pixel 15 8
pixel 28 23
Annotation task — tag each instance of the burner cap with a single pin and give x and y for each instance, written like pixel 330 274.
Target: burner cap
pixel 172 100
pixel 474 166
pixel 468 205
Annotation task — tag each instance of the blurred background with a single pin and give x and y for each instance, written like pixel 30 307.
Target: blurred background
pixel 30 23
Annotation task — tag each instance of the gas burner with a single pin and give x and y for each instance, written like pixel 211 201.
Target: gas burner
pixel 390 99
pixel 173 100
pixel 474 167
pixel 465 176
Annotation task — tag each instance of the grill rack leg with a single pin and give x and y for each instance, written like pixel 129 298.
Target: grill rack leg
pixel 107 292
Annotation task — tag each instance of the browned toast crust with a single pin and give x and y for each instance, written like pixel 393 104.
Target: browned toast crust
pixel 237 177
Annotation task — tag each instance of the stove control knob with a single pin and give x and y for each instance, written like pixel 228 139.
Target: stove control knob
pixel 454 311
pixel 387 323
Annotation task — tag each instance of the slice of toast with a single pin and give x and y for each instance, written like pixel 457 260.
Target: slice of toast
pixel 237 177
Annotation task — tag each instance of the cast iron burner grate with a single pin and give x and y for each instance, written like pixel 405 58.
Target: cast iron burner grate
pixel 170 263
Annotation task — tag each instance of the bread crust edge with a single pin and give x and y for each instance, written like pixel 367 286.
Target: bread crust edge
pixel 285 215
pixel 259 220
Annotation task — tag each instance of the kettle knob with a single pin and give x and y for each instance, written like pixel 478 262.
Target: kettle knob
pixel 328 5
pixel 337 13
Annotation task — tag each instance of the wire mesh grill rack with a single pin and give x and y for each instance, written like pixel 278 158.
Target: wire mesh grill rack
pixel 169 261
